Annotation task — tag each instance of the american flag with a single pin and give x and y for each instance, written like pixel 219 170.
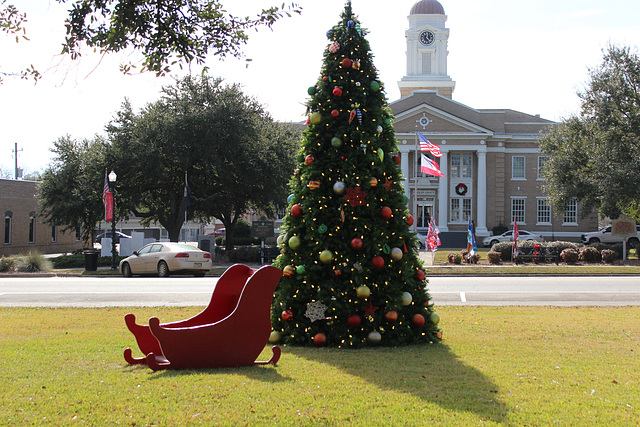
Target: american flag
pixel 433 236
pixel 105 189
pixel 426 145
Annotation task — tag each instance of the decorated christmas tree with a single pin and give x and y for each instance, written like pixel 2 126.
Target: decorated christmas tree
pixel 352 275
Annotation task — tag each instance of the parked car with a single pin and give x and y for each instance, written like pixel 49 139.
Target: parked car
pixel 219 232
pixel 107 235
pixel 605 236
pixel 165 258
pixel 507 236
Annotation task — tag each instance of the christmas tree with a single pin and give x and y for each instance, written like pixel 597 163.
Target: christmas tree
pixel 351 272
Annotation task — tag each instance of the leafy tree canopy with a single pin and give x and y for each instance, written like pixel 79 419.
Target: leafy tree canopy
pixel 234 155
pixel 594 155
pixel 166 33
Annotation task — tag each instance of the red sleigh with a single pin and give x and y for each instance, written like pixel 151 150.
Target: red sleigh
pixel 231 331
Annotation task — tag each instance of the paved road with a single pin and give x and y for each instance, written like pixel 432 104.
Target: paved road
pixel 188 291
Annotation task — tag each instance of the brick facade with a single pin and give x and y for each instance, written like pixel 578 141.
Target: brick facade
pixel 22 227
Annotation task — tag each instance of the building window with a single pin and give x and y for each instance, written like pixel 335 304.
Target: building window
pixel 7 227
pixel 460 209
pixel 517 210
pixel 571 213
pixel 461 165
pixel 32 227
pixel 517 167
pixel 543 212
pixel 54 234
pixel 541 162
pixel 426 63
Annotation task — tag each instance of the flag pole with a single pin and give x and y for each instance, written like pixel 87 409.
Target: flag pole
pixel 185 206
pixel 415 184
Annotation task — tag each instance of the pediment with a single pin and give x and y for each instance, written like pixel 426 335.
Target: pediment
pixel 429 119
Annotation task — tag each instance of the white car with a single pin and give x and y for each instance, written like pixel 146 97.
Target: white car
pixel 164 258
pixel 507 236
pixel 604 236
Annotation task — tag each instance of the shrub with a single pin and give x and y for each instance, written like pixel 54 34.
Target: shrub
pixel 608 255
pixel 569 255
pixel 589 254
pixel 494 257
pixel 245 254
pixel 33 262
pixel 616 247
pixel 505 249
pixel 451 256
pixel 561 246
pixel 7 264
pixel 457 259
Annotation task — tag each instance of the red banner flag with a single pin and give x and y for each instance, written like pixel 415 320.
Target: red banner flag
pixel 108 206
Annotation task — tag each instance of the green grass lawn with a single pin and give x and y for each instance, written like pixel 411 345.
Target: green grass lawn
pixel 496 365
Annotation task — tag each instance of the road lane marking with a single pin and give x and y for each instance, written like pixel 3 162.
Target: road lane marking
pixel 463 297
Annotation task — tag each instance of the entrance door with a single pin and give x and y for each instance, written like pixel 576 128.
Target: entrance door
pixel 425 211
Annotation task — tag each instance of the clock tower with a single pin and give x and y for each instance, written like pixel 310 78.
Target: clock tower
pixel 427 39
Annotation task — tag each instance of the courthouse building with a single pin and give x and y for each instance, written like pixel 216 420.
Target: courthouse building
pixel 491 158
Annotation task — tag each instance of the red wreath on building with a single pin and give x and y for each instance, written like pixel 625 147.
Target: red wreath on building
pixel 461 189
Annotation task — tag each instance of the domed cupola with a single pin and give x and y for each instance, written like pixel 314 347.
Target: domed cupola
pixel 427 7
pixel 427 39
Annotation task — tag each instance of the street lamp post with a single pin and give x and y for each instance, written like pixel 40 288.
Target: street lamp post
pixel 112 184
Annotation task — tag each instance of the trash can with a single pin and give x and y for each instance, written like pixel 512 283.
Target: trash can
pixel 90 259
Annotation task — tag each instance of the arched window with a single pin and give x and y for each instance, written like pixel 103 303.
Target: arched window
pixel 32 227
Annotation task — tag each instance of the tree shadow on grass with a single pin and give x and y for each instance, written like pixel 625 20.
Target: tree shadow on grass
pixel 432 373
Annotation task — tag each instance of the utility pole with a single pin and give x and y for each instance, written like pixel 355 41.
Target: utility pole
pixel 15 153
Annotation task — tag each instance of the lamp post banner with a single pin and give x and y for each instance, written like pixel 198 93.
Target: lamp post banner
pixel 108 207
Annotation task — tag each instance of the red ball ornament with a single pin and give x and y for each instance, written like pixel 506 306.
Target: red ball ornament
pixel 386 212
pixel 325 78
pixel 420 275
pixel 337 272
pixel 396 159
pixel 346 63
pixel 320 339
pixel 391 316
pixel 409 220
pixel 287 315
pixel 309 159
pixel 378 262
pixel 337 91
pixel 356 243
pixel 354 321
pixel 335 113
pixel 296 210
pixel 417 320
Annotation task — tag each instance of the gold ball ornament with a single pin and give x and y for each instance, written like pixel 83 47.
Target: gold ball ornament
pixel 294 242
pixel 275 337
pixel 406 298
pixel 374 337
pixel 435 319
pixel 363 291
pixel 326 256
pixel 396 254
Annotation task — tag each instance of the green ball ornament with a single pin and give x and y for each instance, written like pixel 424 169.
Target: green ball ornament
pixel 294 242
pixel 326 256
pixel 301 269
pixel 315 118
pixel 387 121
pixel 311 90
pixel 380 154
pixel 336 142
pixel 375 86
pixel 405 199
pixel 300 158
pixel 435 319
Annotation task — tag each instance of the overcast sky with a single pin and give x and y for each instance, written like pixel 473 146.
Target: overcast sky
pixel 529 56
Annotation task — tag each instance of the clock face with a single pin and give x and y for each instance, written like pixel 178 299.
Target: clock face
pixel 427 38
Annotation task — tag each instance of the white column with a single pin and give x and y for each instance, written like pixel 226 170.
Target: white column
pixel 404 167
pixel 481 226
pixel 443 193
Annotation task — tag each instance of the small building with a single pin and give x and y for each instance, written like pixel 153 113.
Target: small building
pixel 23 229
